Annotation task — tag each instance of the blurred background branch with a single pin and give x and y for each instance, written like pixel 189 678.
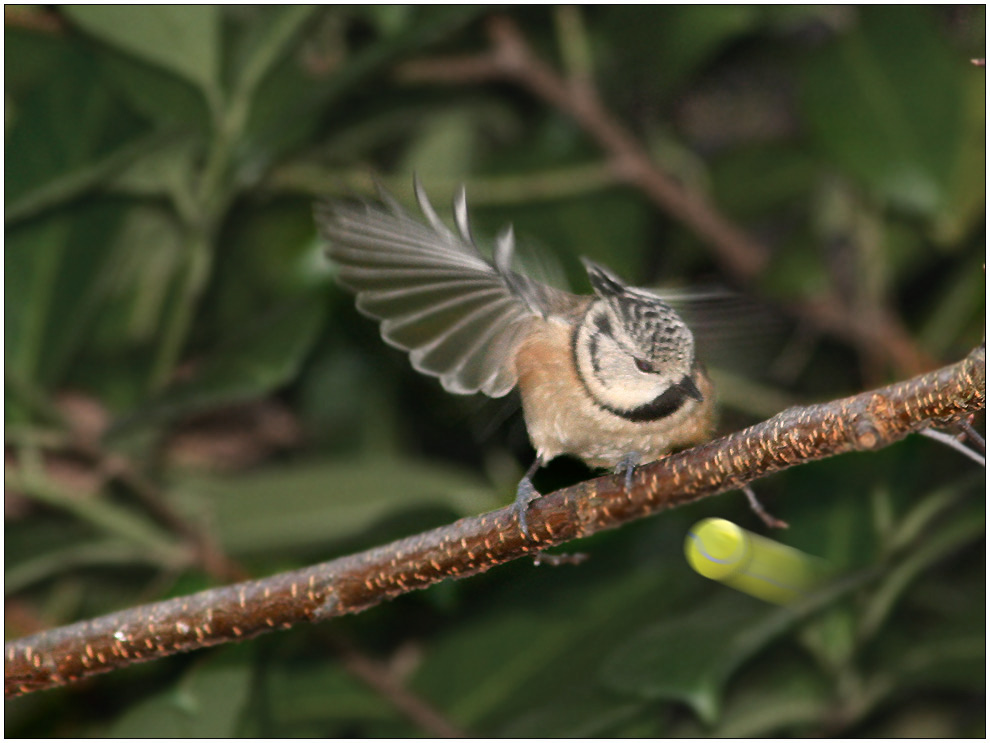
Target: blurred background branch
pixel 743 259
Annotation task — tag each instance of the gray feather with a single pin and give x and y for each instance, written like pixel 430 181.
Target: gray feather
pixel 460 316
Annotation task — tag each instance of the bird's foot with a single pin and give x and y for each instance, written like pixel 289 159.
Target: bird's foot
pixel 626 466
pixel 526 493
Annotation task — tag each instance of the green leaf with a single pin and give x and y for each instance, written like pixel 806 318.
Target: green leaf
pixel 269 39
pixel 266 43
pixel 690 657
pixel 75 182
pixel 65 124
pixel 786 175
pixel 885 101
pixel 303 506
pixel 263 356
pixel 184 39
pixel 32 254
pixel 939 646
pixel 522 664
pixel 210 701
pixel 959 303
pixel 285 123
pixel 967 183
pixel 30 58
pixel 426 26
pixel 62 264
pixel 107 517
pixel 936 544
pixel 168 170
pixel 444 146
pixel 956 662
pixel 674 39
pixel 68 138
pixel 788 697
pixel 584 712
pixel 158 95
pixel 319 694
pixel 45 565
pixel 610 227
pixel 694 33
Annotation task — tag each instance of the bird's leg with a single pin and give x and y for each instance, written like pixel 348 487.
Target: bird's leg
pixel 526 493
pixel 626 466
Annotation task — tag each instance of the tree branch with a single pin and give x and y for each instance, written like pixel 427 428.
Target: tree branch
pixel 868 421
pixel 383 681
pixel 512 59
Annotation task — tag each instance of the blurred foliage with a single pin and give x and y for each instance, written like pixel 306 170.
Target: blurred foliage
pixel 182 373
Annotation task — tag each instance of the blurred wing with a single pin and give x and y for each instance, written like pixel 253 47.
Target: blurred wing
pixel 731 331
pixel 460 316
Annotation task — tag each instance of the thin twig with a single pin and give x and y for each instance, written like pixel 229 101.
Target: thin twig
pixel 766 517
pixel 511 58
pixel 571 558
pixel 953 443
pixel 115 466
pixel 208 553
pixel 33 19
pixel 383 681
pixel 868 421
pixel 879 334
pixel 971 433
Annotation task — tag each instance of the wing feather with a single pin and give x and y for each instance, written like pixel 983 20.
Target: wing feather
pixel 459 315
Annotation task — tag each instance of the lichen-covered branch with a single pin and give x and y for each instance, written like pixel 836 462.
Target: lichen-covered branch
pixel 870 420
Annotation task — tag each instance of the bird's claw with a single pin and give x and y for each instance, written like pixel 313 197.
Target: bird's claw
pixel 626 466
pixel 526 493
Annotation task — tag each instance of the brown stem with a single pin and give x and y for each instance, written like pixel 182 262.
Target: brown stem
pixel 351 584
pixel 208 553
pixel 512 58
pixel 382 680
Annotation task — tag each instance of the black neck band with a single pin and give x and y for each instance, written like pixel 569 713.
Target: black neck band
pixel 661 406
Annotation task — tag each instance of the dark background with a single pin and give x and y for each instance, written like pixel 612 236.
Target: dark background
pixel 190 400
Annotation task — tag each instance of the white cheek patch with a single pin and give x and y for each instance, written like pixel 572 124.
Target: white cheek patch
pixel 608 370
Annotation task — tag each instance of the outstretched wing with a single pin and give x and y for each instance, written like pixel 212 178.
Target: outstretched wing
pixel 459 315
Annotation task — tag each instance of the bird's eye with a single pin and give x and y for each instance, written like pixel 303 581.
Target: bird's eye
pixel 644 366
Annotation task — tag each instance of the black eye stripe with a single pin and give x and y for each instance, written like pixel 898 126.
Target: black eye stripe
pixel 662 406
pixel 604 325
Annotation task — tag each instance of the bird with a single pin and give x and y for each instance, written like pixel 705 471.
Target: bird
pixel 611 378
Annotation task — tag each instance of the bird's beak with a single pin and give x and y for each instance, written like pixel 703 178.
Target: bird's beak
pixel 689 388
